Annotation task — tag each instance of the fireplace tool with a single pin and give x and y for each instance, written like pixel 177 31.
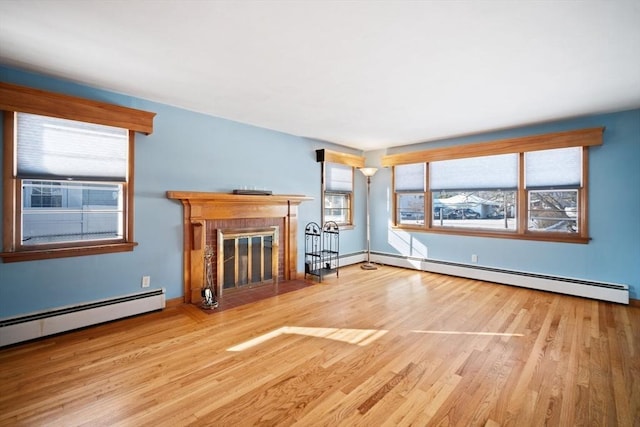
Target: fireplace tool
pixel 209 300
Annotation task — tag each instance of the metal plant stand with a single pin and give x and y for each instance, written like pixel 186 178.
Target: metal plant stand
pixel 321 249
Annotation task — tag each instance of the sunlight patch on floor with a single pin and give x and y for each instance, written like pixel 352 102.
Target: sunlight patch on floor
pixel 359 337
pixel 498 334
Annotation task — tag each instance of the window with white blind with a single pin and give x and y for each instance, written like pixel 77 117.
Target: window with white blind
pixel 338 193
pixel 337 175
pixel 553 179
pixel 72 175
pixel 71 179
pixel 409 186
pixel 530 187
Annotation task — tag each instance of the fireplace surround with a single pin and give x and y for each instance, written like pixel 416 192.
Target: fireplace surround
pixel 205 214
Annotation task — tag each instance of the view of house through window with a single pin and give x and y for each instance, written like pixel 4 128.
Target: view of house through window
pixel 337 207
pixel 42 194
pixel 494 210
pixel 56 211
pixel 410 208
pixel 472 209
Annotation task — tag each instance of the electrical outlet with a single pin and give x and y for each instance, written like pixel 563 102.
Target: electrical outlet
pixel 474 258
pixel 146 281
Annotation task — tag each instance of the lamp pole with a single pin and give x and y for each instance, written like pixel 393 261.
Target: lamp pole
pixel 368 172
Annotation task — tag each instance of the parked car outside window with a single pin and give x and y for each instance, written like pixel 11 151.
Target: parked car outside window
pixel 467 214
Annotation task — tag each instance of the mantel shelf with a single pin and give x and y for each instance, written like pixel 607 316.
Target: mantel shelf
pixel 206 197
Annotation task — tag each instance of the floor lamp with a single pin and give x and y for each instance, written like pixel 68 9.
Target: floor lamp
pixel 368 172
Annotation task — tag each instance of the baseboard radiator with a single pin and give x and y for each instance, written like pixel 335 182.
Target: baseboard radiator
pixel 41 324
pixel 583 288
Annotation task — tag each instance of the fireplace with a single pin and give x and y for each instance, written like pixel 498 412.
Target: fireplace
pixel 240 224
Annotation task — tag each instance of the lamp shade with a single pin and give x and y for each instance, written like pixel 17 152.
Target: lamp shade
pixel 368 171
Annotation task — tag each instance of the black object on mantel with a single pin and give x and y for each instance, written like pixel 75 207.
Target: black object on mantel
pixel 253 192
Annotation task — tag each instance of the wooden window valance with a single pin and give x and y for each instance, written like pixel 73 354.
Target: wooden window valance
pixel 574 138
pixel 35 101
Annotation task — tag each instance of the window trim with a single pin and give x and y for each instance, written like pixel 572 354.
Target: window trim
pixel 324 155
pixel 14 98
pixel 577 138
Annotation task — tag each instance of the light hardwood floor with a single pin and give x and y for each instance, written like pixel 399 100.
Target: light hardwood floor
pixel 387 347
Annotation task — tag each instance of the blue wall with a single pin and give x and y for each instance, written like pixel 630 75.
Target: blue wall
pixel 191 151
pixel 613 254
pixel 187 151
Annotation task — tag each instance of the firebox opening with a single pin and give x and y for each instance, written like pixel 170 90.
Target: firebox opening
pixel 247 258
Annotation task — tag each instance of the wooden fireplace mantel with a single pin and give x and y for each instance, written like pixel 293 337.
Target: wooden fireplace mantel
pixel 198 207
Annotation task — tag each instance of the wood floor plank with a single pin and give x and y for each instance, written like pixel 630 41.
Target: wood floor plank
pixel 384 347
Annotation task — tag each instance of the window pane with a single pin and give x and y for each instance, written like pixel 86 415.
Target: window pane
pixel 45 195
pixel 554 211
pixel 475 173
pixel 410 177
pixel 54 211
pixel 338 177
pixel 49 147
pixel 554 168
pixel 494 210
pixel 410 208
pixel 337 207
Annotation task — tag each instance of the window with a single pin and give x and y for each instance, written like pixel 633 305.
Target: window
pixel 475 192
pixel 82 164
pixel 70 178
pixel 553 182
pixel 81 212
pixel 337 185
pixel 410 187
pixel 529 188
pixel 338 193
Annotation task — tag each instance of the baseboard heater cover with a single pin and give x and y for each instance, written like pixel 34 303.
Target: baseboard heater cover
pixel 583 288
pixel 354 258
pixel 36 325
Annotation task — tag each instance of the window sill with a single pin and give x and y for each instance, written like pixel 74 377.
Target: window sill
pixel 541 237
pixel 346 226
pixel 38 254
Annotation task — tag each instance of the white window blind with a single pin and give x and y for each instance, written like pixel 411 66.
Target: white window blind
pixel 49 147
pixel 410 177
pixel 560 167
pixel 475 173
pixel 339 177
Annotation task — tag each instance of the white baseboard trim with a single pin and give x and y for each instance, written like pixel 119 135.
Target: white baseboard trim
pixel 613 292
pixel 37 325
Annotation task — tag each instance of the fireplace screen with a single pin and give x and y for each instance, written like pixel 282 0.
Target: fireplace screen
pixel 247 257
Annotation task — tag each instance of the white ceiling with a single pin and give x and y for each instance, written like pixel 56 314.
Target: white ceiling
pixel 364 74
